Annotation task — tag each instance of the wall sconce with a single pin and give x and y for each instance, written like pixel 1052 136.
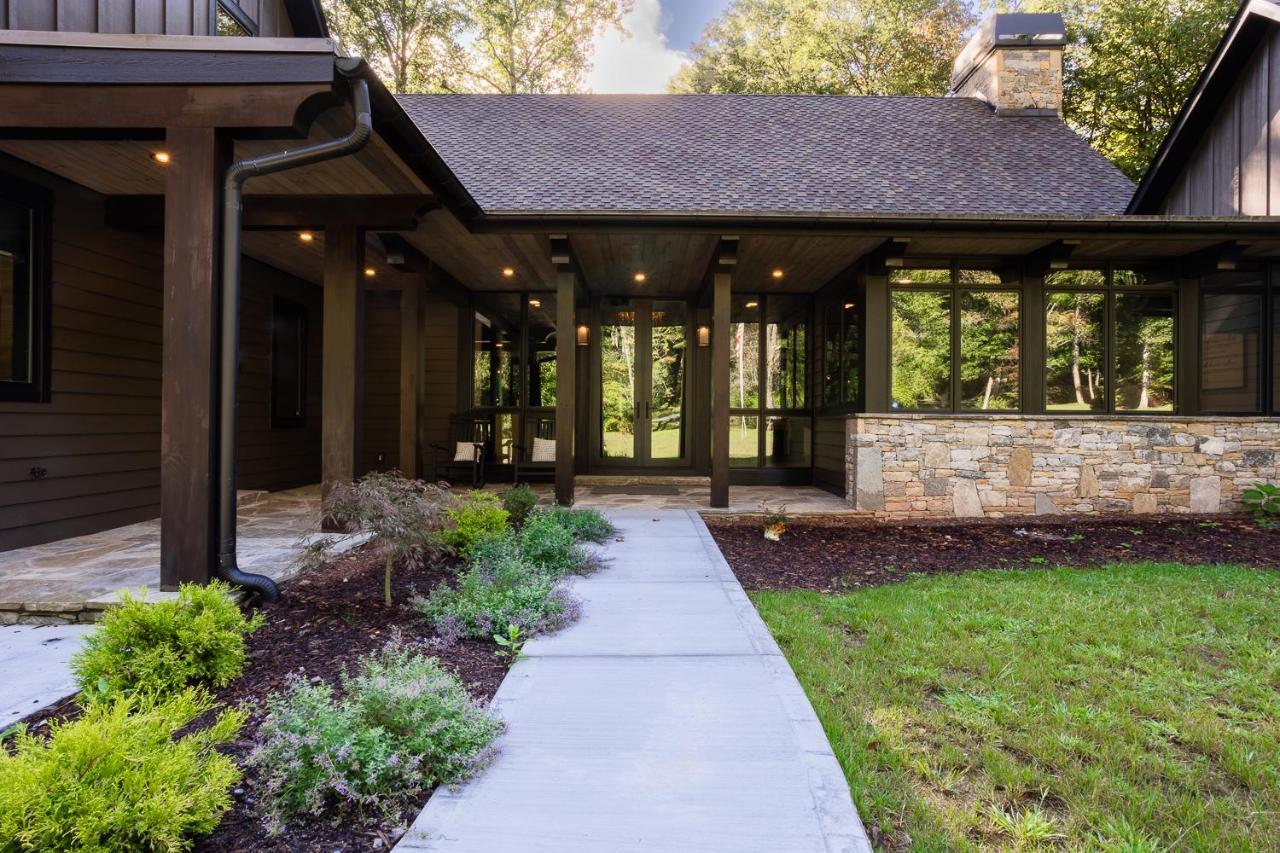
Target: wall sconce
pixel 704 336
pixel 584 336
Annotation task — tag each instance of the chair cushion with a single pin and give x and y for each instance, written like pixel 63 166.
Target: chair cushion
pixel 465 452
pixel 544 450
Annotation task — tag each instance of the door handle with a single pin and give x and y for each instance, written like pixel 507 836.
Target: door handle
pixel 648 410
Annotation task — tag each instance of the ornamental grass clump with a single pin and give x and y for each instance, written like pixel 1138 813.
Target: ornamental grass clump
pixel 405 518
pixel 162 647
pixel 119 778
pixel 402 726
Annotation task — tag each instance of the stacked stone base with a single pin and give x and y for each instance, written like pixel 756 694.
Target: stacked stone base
pixel 973 466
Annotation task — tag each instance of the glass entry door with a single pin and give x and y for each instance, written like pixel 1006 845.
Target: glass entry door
pixel 644 345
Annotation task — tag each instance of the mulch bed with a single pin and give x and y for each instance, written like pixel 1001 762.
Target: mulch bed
pixel 835 555
pixel 325 620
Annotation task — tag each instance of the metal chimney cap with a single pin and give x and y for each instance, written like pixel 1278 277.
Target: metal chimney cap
pixel 1008 29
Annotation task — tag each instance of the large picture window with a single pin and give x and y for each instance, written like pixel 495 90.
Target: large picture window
pixel 1109 340
pixel 1232 316
pixel 24 293
pixel 842 353
pixel 956 339
pixel 768 382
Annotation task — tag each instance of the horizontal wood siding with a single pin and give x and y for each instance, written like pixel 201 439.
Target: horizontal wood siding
pixel 381 380
pixel 440 377
pixel 97 441
pixel 274 458
pixel 167 17
pixel 829 454
pixel 1236 168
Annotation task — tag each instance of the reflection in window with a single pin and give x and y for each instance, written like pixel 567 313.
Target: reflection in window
pixel 496 359
pixel 744 353
pixel 542 350
pixel 744 441
pixel 1144 352
pixel 618 383
pixel 288 363
pixel 668 344
pixel 832 372
pixel 1074 348
pixel 785 345
pixel 1230 338
pixel 1075 278
pixel 921 341
pixel 989 350
pixel 787 442
pixel 935 277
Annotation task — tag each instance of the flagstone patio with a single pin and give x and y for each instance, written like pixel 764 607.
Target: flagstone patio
pixel 74 580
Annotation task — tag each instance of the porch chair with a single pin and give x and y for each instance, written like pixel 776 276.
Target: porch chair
pixel 536 454
pixel 464 457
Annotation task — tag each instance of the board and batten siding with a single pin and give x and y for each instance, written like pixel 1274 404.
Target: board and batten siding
pixel 89 459
pixel 440 386
pixel 143 17
pixel 1236 168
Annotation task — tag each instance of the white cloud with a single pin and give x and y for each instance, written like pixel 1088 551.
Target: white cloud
pixel 636 62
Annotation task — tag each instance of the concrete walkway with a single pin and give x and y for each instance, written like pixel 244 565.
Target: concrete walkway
pixel 665 720
pixel 35 667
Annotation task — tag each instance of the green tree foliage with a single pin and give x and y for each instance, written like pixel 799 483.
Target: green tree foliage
pixel 506 46
pixel 831 47
pixel 921 349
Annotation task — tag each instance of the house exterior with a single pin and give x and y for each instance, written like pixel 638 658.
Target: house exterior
pixel 933 306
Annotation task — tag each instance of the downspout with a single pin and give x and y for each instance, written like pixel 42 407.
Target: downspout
pixel 237 174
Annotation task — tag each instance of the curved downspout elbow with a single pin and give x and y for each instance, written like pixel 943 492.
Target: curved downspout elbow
pixel 237 174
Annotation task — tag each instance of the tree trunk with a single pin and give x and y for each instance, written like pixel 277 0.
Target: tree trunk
pixel 386 580
pixel 986 395
pixel 1075 357
pixel 1144 400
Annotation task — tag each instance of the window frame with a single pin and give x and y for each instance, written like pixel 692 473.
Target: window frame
pixel 1109 289
pixel 955 289
pixel 296 310
pixel 760 411
pixel 1268 292
pixel 37 389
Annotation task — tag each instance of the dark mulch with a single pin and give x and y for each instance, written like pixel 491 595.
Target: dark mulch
pixel 325 620
pixel 841 554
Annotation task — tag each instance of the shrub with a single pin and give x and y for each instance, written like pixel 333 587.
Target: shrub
pixel 403 725
pixel 586 525
pixel 1263 500
pixel 518 503
pixel 549 545
pixel 404 517
pixel 497 589
pixel 475 517
pixel 196 639
pixel 117 778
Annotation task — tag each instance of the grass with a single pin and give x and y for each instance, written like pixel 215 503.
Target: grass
pixel 666 445
pixel 1131 708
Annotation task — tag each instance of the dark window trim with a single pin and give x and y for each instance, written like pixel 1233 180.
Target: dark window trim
pixel 760 410
pixel 40 201
pixel 280 304
pixel 1268 291
pixel 232 8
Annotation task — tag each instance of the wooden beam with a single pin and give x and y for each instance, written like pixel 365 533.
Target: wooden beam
pixel 410 377
pixel 287 212
pixel 57 64
pixel 188 440
pixel 406 257
pixel 721 286
pixel 342 393
pixel 39 106
pixel 566 358
pixel 1055 256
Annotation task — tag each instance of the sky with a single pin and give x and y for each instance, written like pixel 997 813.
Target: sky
pixel 659 34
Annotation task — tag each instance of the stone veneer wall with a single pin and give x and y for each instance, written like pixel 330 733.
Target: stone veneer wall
pixel 916 466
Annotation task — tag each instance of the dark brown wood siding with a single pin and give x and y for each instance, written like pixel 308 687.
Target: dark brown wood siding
pixel 155 17
pixel 89 459
pixel 1236 168
pixel 439 377
pixel 829 466
pixel 274 458
pixel 381 380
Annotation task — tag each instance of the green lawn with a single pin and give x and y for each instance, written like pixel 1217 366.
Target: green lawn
pixel 1128 709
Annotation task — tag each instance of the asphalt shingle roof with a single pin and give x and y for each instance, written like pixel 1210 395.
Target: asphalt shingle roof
pixel 761 154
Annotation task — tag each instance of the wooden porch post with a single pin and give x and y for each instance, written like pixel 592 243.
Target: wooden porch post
pixel 342 393
pixel 188 440
pixel 566 359
pixel 720 308
pixel 409 379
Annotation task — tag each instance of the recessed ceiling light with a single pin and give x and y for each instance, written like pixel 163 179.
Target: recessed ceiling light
pixel 535 303
pixel 508 272
pixel 777 273
pixel 640 277
pixel 753 304
pixel 161 157
pixel 848 306
pixel 306 236
pixel 370 272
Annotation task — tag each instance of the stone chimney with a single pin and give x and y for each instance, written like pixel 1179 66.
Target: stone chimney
pixel 1014 63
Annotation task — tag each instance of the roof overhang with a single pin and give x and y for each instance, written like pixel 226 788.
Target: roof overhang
pixel 1245 32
